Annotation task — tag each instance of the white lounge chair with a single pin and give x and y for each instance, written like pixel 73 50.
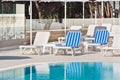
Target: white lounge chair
pixel 115 29
pixel 100 38
pixel 41 39
pixel 115 45
pixel 91 38
pixel 72 42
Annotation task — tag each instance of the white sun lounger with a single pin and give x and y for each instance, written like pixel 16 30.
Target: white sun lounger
pixel 115 30
pixel 41 39
pixel 114 47
pixel 100 38
pixel 72 42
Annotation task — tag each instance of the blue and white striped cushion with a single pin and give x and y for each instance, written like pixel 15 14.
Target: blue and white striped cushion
pixel 68 39
pixel 105 37
pixel 101 37
pixel 73 39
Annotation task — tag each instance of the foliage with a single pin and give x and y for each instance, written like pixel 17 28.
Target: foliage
pixel 55 10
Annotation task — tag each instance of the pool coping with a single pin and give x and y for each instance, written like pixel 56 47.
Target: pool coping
pixel 39 63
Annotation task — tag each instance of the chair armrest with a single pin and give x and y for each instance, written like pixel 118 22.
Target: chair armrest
pixel 89 38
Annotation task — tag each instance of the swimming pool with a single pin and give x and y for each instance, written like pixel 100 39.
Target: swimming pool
pixel 65 71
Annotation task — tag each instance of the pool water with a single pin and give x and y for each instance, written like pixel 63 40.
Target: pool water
pixel 65 71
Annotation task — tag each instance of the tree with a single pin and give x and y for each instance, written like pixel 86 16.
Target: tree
pixel 107 9
pixel 48 12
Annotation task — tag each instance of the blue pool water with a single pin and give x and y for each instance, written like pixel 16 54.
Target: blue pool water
pixel 65 71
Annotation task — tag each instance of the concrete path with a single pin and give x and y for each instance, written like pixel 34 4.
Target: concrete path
pixel 11 59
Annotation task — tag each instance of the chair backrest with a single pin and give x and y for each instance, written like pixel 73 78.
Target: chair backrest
pixel 90 31
pixel 99 28
pixel 115 30
pixel 101 37
pixel 73 39
pixel 41 38
pixel 116 41
pixel 108 26
pixel 75 27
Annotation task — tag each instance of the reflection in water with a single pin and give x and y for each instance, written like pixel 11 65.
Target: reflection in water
pixel 73 71
pixel 66 71
pixel 57 72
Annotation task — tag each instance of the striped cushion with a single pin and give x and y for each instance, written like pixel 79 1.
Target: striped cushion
pixel 101 37
pixel 73 39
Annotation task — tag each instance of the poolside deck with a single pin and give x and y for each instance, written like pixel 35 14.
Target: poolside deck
pixel 13 58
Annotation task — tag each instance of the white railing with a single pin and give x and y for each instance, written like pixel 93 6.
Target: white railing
pixel 36 25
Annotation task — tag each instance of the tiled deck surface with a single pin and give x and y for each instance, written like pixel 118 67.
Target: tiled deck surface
pixel 9 59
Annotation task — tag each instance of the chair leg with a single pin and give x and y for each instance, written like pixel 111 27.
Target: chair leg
pixel 86 48
pixel 21 51
pixel 82 51
pixel 31 50
pixel 73 53
pixel 43 51
pixel 101 50
pixel 51 50
pixel 64 51
pixel 37 51
pixel 113 52
pixel 105 52
pixel 55 51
